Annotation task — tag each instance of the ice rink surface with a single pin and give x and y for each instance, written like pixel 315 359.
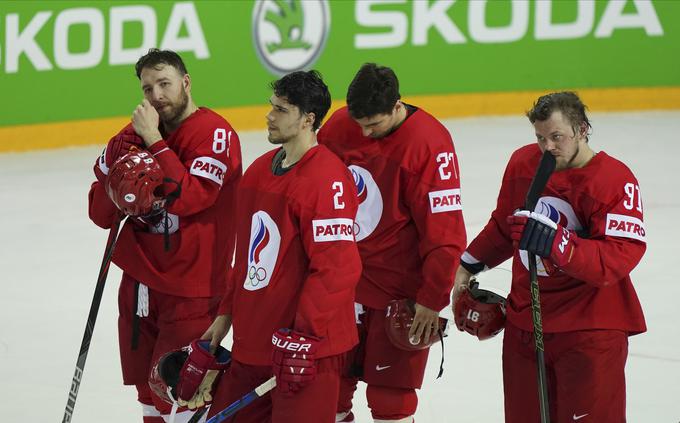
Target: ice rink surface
pixel 50 254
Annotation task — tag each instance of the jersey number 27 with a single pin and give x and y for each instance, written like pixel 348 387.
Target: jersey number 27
pixel 446 161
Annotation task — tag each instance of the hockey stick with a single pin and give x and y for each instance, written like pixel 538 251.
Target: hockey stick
pixel 197 415
pixel 91 319
pixel 543 172
pixel 245 400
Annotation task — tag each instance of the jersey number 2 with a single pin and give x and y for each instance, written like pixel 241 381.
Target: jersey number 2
pixel 338 204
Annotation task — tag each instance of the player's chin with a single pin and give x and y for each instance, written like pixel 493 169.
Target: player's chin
pixel 275 140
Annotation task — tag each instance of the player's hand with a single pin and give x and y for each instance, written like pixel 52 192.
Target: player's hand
pixel 460 284
pixel 217 331
pixel 293 360
pixel 198 374
pixel 203 393
pixel 120 145
pixel 425 324
pixel 541 236
pixel 145 120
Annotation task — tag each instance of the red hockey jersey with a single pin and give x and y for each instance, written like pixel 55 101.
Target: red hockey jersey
pixel 601 202
pixel 410 228
pixel 296 262
pixel 204 156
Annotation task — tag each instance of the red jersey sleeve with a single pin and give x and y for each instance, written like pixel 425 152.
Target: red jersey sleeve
pixel 201 171
pixel 227 300
pixel 101 209
pixel 617 239
pixel 326 224
pixel 432 193
pixel 492 246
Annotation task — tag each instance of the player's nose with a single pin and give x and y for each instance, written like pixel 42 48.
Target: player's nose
pixel 550 145
pixel 156 94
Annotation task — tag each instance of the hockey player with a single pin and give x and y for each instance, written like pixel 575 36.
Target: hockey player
pixel 175 262
pixel 587 232
pixel 290 297
pixel 409 230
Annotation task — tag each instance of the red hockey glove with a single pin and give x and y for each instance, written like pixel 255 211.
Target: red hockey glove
pixel 117 147
pixel 293 359
pixel 541 236
pixel 120 145
pixel 199 372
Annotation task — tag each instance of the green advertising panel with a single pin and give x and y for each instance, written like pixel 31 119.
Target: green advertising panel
pixel 73 60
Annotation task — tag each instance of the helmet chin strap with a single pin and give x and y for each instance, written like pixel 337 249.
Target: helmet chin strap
pixel 169 199
pixel 173 412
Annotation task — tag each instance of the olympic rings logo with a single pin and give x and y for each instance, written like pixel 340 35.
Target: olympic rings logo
pixel 256 275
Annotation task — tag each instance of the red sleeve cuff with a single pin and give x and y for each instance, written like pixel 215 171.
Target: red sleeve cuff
pixel 490 246
pixel 158 147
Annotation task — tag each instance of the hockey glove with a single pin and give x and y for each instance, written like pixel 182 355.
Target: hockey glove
pixel 199 373
pixel 293 360
pixel 117 147
pixel 120 145
pixel 541 236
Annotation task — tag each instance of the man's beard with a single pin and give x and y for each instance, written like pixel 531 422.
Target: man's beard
pixel 176 111
pixel 571 160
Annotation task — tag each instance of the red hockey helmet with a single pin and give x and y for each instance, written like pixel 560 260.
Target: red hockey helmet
pixel 165 374
pixel 480 312
pixel 399 320
pixel 135 184
pixel 172 372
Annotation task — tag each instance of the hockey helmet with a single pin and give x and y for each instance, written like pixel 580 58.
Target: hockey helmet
pixel 171 369
pixel 480 312
pixel 400 314
pixel 135 184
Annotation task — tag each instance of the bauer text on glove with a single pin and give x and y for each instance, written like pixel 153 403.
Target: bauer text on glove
pixel 293 359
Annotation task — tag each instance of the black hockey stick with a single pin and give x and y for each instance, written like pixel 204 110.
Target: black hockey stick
pixel 543 172
pixel 91 319
pixel 245 400
pixel 197 415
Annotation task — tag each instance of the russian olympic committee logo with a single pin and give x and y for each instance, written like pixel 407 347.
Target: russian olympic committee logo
pixel 370 202
pixel 263 250
pixel 157 224
pixel 290 35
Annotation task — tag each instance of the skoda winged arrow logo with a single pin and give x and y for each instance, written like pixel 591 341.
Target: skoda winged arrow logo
pixel 290 35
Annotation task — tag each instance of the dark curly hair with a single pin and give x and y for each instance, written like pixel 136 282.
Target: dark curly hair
pixel 307 91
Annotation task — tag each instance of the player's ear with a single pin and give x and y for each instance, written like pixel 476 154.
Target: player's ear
pixel 310 118
pixel 186 82
pixel 397 106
